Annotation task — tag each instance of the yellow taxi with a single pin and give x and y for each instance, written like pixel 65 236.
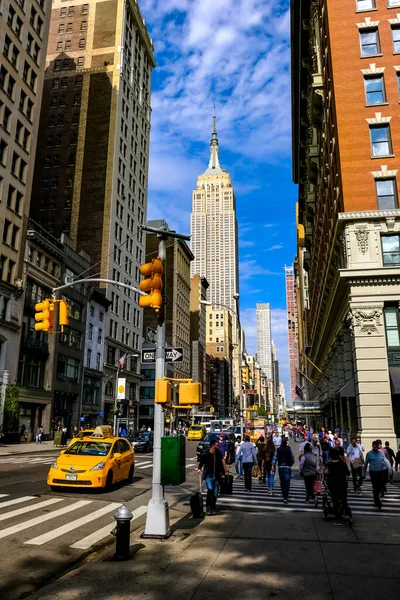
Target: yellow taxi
pixel 95 461
pixel 196 432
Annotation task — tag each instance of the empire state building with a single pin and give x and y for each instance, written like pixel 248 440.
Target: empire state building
pixel 214 231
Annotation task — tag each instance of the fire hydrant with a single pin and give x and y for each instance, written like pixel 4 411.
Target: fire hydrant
pixel 122 532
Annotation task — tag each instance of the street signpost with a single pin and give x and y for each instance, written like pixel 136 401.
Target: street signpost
pixel 172 355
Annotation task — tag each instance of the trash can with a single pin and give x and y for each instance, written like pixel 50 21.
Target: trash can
pixel 57 438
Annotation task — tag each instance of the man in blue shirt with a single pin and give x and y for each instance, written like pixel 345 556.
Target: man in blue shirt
pixel 377 463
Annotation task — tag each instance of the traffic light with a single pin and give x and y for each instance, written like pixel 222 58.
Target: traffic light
pixel 63 314
pixel 152 284
pixel 44 315
pixel 190 393
pixel 163 391
pixel 245 375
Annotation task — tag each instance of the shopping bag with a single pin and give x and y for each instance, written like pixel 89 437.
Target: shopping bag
pixel 317 486
pixel 255 470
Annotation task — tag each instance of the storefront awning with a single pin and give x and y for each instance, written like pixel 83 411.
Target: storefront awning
pixel 395 379
pixel 348 390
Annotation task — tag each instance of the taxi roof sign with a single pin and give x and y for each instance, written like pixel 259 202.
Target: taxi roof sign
pixel 102 431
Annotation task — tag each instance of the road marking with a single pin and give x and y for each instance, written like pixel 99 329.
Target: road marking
pixel 55 533
pixel 145 465
pixel 17 501
pixel 95 537
pixel 26 509
pixel 43 518
pixel 4 495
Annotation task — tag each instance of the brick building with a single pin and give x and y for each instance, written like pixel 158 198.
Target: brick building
pixel 92 162
pixel 346 146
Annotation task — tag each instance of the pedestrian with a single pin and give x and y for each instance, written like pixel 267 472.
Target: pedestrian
pixel 223 446
pixel 285 460
pixel 22 433
pixel 75 432
pixel 356 460
pixel 143 428
pixel 322 434
pixel 397 459
pixel 330 438
pixel 358 439
pixel 337 437
pixel 238 460
pixel 376 461
pixel 338 447
pixel 277 439
pixel 38 436
pixel 392 459
pixel 325 447
pixel 249 458
pixel 268 474
pixel 337 484
pixel 385 471
pixel 261 447
pixel 213 465
pixel 308 470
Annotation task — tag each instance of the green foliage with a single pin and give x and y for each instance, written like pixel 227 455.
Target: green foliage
pixel 261 412
pixel 11 408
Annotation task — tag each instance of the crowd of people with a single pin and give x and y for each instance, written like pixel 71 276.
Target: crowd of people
pixel 325 462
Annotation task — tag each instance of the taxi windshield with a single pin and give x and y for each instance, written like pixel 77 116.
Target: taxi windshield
pixel 196 428
pixel 91 448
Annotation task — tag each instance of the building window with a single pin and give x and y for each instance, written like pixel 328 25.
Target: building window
pixel 67 367
pixel 365 4
pixel 88 358
pixel 148 374
pixel 393 3
pixel 109 389
pixel 100 336
pixel 147 393
pixel 98 363
pixel 374 90
pixel 391 250
pixel 392 327
pixel 380 140
pixel 90 332
pixel 110 355
pixel 369 41
pixel 386 193
pixel 81 61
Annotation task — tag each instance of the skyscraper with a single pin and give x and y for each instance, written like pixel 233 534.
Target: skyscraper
pixel 92 160
pixel 291 309
pixel 264 339
pixel 24 28
pixel 214 243
pixel 214 232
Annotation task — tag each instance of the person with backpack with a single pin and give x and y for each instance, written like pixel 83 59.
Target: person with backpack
pixel 308 470
pixel 285 460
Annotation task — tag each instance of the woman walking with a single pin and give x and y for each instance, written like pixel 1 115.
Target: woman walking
pixel 308 469
pixel 261 447
pixel 285 459
pixel 268 475
pixel 247 453
pixel 338 472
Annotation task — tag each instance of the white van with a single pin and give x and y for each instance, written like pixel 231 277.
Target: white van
pixel 207 425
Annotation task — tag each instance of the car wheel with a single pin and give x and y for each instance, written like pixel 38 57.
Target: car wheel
pixel 131 472
pixel 109 481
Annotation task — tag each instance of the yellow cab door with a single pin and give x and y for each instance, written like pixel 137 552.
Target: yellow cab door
pixel 116 462
pixel 126 460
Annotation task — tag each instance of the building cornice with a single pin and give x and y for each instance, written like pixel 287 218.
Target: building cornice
pixel 362 277
pixel 370 214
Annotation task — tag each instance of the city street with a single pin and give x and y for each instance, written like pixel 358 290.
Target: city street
pixel 43 533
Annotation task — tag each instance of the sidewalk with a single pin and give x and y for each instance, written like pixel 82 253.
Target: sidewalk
pixel 27 448
pixel 240 555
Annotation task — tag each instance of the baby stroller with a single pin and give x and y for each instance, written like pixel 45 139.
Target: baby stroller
pixel 329 509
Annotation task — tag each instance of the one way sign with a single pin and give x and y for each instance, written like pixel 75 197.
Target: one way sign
pixel 172 355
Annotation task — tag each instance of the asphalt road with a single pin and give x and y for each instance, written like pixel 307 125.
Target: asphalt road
pixel 43 533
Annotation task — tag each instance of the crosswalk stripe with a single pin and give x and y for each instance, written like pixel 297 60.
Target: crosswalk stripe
pixel 145 465
pixel 95 537
pixel 38 520
pixel 26 509
pixel 4 495
pixel 16 501
pixel 55 533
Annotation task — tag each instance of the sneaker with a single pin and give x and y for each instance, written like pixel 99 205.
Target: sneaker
pixel 237 477
pixel 248 491
pixel 208 510
pixel 285 501
pixel 336 523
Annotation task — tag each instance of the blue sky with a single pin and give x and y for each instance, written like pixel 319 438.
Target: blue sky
pixel 234 53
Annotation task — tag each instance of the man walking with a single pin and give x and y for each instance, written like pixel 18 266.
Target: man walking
pixel 385 471
pixel 214 467
pixel 392 459
pixel 247 453
pixel 308 470
pixel 238 462
pixel 376 462
pixel 285 459
pixel 277 439
pixel 356 460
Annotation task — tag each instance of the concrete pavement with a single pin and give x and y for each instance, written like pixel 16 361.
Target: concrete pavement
pixel 240 555
pixel 27 448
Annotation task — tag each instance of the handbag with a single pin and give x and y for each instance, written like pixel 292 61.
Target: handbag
pixel 356 463
pixel 254 472
pixel 317 486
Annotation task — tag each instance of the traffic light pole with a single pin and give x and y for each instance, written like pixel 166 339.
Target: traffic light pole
pixel 157 518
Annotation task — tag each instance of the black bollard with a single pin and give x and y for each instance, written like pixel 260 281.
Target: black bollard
pixel 122 532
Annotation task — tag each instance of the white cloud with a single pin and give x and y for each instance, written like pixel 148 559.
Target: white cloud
pixel 246 243
pixel 279 335
pixel 275 247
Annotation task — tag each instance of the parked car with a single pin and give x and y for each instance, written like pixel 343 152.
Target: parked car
pixel 142 441
pixel 204 445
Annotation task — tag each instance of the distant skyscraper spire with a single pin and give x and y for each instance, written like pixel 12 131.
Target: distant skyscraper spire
pixel 213 165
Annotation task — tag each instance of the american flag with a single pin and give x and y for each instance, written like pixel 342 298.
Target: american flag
pixel 122 361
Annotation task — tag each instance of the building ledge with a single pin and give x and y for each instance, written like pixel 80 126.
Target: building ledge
pixel 369 214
